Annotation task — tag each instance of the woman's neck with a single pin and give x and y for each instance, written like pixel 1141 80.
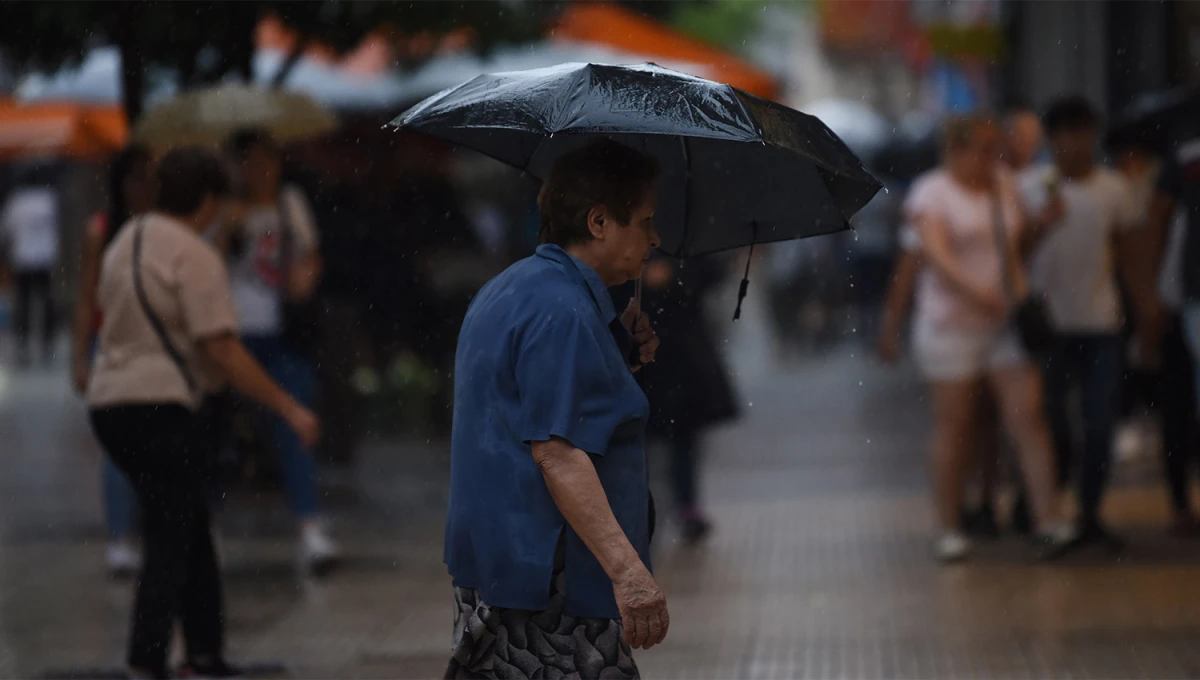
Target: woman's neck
pixel 972 181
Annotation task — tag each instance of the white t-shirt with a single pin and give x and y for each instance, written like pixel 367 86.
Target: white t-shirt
pixel 1073 265
pixel 29 227
pixel 967 217
pixel 256 271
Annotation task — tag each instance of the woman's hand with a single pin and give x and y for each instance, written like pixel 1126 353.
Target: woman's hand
pixel 993 301
pixel 643 607
pixel 80 373
pixel 644 337
pixel 304 423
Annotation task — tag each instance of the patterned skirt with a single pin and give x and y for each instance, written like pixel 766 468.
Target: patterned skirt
pixel 493 642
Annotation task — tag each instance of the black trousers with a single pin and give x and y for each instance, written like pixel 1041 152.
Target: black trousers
pixel 168 455
pixel 1175 397
pixel 33 289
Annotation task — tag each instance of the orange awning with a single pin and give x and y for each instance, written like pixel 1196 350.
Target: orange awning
pixel 627 30
pixel 60 129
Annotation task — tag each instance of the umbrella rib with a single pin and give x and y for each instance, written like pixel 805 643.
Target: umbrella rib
pixel 687 193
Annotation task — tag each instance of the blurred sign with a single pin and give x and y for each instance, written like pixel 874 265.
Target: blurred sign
pixel 865 25
pixel 969 30
pixel 955 29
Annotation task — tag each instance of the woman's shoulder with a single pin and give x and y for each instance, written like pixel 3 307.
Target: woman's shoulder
pixel 928 189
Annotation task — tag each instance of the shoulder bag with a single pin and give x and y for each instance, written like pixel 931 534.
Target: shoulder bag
pixel 1030 317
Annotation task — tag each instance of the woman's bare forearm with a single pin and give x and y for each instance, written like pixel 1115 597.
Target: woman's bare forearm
pixel 245 374
pixel 576 490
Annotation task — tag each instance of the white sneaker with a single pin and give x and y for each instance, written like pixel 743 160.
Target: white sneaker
pixel 122 558
pixel 951 546
pixel 317 550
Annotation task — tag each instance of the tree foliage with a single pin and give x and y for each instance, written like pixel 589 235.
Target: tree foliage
pixel 206 41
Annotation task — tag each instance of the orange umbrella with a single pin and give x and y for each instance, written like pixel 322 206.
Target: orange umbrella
pixel 60 129
pixel 629 31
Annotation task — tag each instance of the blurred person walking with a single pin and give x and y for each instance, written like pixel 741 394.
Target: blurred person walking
pixel 29 234
pixel 1023 138
pixel 547 534
pixel 1075 264
pixel 130 192
pixel 1167 359
pixel 271 241
pixel 1174 236
pixel 167 340
pixel 689 387
pixel 962 333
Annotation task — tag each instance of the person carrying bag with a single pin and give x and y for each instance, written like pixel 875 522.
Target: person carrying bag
pixel 168 340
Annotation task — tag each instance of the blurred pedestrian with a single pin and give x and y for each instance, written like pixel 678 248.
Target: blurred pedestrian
pixel 1174 242
pixel 130 192
pixel 168 339
pixel 1167 359
pixel 29 234
pixel 961 332
pixel 547 536
pixel 276 266
pixel 1075 264
pixel 688 387
pixel 1022 143
pixel 1023 139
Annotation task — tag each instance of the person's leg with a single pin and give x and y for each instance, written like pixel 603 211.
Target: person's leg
pixel 1102 367
pixel 296 463
pixel 1176 401
pixel 202 602
pixel 1018 386
pixel 1060 373
pixel 22 304
pixel 120 510
pixel 45 292
pixel 954 421
pixel 684 450
pixel 295 374
pixel 980 515
pixel 140 440
pixel 1191 332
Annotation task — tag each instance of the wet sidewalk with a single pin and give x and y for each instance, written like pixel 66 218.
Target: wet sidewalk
pixel 819 566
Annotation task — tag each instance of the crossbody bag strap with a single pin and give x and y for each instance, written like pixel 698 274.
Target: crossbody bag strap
pixel 1000 232
pixel 155 322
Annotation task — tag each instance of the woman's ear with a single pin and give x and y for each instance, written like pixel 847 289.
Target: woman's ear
pixel 597 221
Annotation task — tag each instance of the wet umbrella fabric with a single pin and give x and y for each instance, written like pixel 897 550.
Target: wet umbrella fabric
pixel 1151 119
pixel 737 169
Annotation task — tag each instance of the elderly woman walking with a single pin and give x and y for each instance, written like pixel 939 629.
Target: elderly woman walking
pixel 547 536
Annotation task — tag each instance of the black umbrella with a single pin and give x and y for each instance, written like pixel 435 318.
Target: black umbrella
pixel 737 169
pixel 1149 119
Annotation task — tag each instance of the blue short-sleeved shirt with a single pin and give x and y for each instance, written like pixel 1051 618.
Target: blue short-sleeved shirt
pixel 541 355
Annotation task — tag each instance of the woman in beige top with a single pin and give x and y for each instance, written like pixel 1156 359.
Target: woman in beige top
pixel 169 338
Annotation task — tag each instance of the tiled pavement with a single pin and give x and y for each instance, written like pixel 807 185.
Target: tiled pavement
pixel 818 568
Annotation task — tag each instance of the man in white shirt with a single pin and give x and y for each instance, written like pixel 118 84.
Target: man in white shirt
pixel 29 234
pixel 1074 265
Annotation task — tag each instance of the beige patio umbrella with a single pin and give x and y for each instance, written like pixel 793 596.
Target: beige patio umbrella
pixel 209 116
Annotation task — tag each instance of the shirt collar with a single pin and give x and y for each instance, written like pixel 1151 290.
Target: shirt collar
pixel 585 275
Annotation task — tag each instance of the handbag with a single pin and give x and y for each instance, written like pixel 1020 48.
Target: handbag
pixel 214 406
pixel 299 317
pixel 1030 317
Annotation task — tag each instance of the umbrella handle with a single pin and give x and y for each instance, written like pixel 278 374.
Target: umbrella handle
pixel 635 355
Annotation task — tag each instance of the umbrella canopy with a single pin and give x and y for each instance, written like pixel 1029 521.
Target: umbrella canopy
pixel 737 169
pixel 208 117
pixel 1148 120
